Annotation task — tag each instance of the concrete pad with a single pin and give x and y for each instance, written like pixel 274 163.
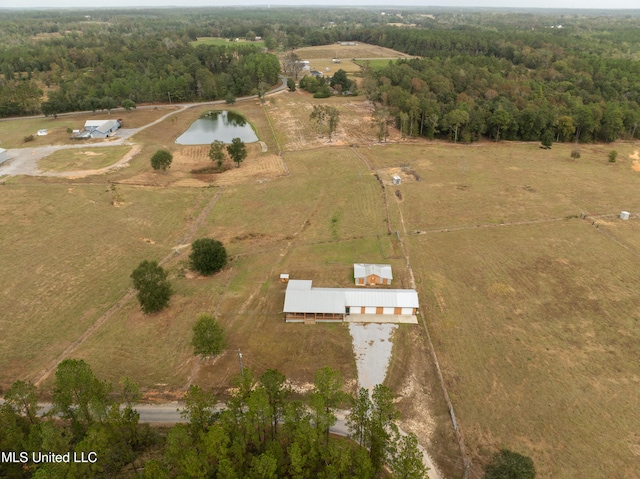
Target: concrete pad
pixel 381 318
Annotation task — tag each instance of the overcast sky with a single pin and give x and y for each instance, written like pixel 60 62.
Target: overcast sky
pixel 581 4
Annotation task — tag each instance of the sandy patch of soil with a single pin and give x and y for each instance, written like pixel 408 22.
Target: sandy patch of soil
pixel 406 174
pixel 636 160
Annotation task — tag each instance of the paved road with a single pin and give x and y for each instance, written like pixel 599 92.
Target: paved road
pixel 24 161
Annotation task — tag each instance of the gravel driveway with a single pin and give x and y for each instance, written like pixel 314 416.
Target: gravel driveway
pixel 372 347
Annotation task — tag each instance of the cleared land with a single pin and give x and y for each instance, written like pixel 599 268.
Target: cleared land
pixel 321 57
pixel 347 52
pixel 218 41
pixel 296 131
pixel 533 309
pixel 12 132
pixel 86 159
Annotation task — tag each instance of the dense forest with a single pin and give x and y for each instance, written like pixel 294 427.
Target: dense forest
pixel 261 432
pixel 510 84
pixel 548 75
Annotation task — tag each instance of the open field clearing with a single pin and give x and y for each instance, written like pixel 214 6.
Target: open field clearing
pixel 86 159
pixel 532 309
pixel 258 165
pixel 489 184
pixel 321 57
pixel 69 251
pixel 12 132
pixel 295 130
pixel 218 41
pixel 271 227
pixel 536 328
pixel 347 52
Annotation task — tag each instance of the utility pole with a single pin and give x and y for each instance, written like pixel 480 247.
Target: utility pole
pixel 169 93
pixel 240 359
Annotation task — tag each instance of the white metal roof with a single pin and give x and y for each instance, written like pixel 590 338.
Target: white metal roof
pixel 361 270
pixel 300 297
pixel 299 284
pixel 312 301
pixel 95 122
pixel 102 126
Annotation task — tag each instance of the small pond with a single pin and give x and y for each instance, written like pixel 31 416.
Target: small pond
pixel 218 125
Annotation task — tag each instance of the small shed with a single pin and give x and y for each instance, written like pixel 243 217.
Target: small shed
pixel 624 215
pixel 284 278
pixel 3 155
pixel 396 180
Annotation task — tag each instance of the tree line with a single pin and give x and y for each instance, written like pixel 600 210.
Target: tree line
pixel 505 85
pixel 101 69
pixel 260 432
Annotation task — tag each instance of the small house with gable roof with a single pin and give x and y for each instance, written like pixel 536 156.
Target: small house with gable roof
pixel 371 274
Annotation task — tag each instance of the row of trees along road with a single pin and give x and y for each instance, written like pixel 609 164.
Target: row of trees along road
pixel 259 433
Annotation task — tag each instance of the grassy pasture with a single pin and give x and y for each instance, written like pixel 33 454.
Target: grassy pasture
pixel 537 330
pixel 489 184
pixel 375 64
pixel 295 130
pixel 361 50
pixel 277 226
pixel 68 256
pixel 533 310
pixel 257 222
pixel 86 159
pixel 12 132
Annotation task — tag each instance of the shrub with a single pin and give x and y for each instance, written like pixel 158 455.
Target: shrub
pixel 161 160
pixel 154 290
pixel 208 336
pixel 575 153
pixel 207 256
pixel 508 464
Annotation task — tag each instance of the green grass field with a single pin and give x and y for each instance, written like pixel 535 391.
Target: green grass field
pixel 375 64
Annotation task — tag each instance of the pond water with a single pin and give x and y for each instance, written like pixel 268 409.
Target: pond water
pixel 218 125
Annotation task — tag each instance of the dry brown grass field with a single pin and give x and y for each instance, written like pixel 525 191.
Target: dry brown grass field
pixel 85 159
pixel 532 309
pixel 296 131
pixel 347 52
pixel 12 132
pixel 527 278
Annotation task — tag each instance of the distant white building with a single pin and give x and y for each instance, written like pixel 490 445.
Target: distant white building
pixel 99 128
